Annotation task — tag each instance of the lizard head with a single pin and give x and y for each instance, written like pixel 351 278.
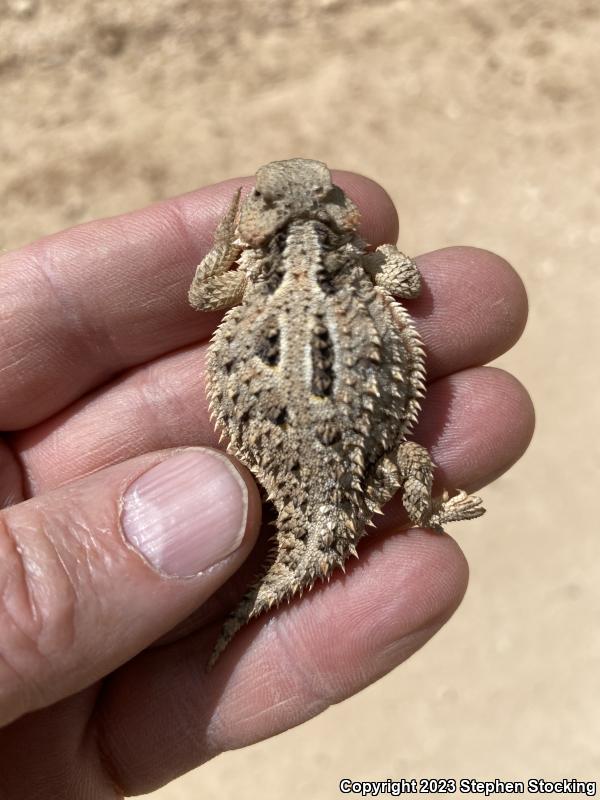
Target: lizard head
pixel 294 189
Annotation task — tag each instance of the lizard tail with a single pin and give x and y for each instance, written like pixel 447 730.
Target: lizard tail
pixel 299 561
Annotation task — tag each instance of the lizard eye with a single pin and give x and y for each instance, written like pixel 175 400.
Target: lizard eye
pixel 266 197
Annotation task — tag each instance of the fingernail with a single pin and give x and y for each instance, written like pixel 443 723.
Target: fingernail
pixel 187 513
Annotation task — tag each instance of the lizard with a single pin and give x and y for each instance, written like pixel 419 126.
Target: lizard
pixel 315 375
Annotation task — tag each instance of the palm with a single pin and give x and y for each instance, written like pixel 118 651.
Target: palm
pixel 102 361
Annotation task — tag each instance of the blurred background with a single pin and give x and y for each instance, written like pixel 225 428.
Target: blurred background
pixel 481 119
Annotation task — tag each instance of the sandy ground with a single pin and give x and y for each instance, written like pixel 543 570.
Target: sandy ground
pixel 481 119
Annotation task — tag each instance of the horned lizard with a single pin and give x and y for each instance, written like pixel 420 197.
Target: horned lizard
pixel 315 375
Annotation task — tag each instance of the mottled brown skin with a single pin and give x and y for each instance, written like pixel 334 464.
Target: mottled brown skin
pixel 315 375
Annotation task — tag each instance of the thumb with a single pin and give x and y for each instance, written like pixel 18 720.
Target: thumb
pixel 95 571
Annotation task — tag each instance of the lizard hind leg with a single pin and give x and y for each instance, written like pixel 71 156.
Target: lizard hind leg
pixel 416 472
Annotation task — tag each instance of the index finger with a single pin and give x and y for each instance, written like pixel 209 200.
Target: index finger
pixel 82 305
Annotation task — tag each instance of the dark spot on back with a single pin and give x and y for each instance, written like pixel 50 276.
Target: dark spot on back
pixel 272 266
pixel 327 432
pixel 277 414
pixel 267 346
pixel 334 263
pixel 322 361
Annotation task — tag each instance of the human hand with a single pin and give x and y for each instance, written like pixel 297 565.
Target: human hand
pixel 102 682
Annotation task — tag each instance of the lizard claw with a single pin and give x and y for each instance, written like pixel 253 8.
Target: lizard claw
pixel 454 509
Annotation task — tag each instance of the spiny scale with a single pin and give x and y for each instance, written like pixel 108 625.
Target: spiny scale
pixel 315 375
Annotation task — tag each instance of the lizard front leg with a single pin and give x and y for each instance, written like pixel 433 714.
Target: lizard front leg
pixel 215 284
pixel 393 271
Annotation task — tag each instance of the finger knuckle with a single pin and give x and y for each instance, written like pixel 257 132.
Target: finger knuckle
pixel 37 609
